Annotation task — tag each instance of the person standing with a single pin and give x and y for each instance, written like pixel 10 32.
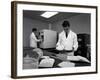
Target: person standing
pixel 33 38
pixel 67 41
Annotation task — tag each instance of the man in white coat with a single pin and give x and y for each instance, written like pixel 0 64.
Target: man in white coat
pixel 67 44
pixel 33 38
pixel 67 41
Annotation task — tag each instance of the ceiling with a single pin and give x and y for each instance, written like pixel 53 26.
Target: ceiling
pixel 36 15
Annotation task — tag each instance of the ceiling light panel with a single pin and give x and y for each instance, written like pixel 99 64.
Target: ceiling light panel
pixel 48 14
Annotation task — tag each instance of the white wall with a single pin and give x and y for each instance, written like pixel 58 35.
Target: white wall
pixel 79 24
pixel 28 24
pixel 5 41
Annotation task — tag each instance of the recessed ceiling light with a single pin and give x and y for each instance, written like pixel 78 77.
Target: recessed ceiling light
pixel 48 14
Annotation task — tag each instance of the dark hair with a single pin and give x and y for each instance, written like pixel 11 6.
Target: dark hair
pixel 34 29
pixel 66 23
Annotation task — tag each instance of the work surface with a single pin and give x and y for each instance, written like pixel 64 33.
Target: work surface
pixel 57 61
pixel 50 52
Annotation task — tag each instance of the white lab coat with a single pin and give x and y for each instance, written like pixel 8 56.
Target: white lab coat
pixel 67 43
pixel 33 40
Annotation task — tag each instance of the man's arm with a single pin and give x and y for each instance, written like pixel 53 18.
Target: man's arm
pixel 59 46
pixel 37 40
pixel 75 43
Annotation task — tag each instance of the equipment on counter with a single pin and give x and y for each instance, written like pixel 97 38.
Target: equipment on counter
pixel 66 64
pixel 47 62
pixel 49 38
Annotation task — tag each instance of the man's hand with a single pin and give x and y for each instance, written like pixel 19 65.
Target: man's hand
pixel 40 40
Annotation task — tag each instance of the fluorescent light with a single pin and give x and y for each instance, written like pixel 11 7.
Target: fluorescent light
pixel 48 14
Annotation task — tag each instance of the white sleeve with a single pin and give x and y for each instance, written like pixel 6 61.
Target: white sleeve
pixel 58 43
pixel 34 37
pixel 75 43
pixel 59 46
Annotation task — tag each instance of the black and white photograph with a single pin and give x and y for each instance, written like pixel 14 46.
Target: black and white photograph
pixel 61 40
pixel 53 39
